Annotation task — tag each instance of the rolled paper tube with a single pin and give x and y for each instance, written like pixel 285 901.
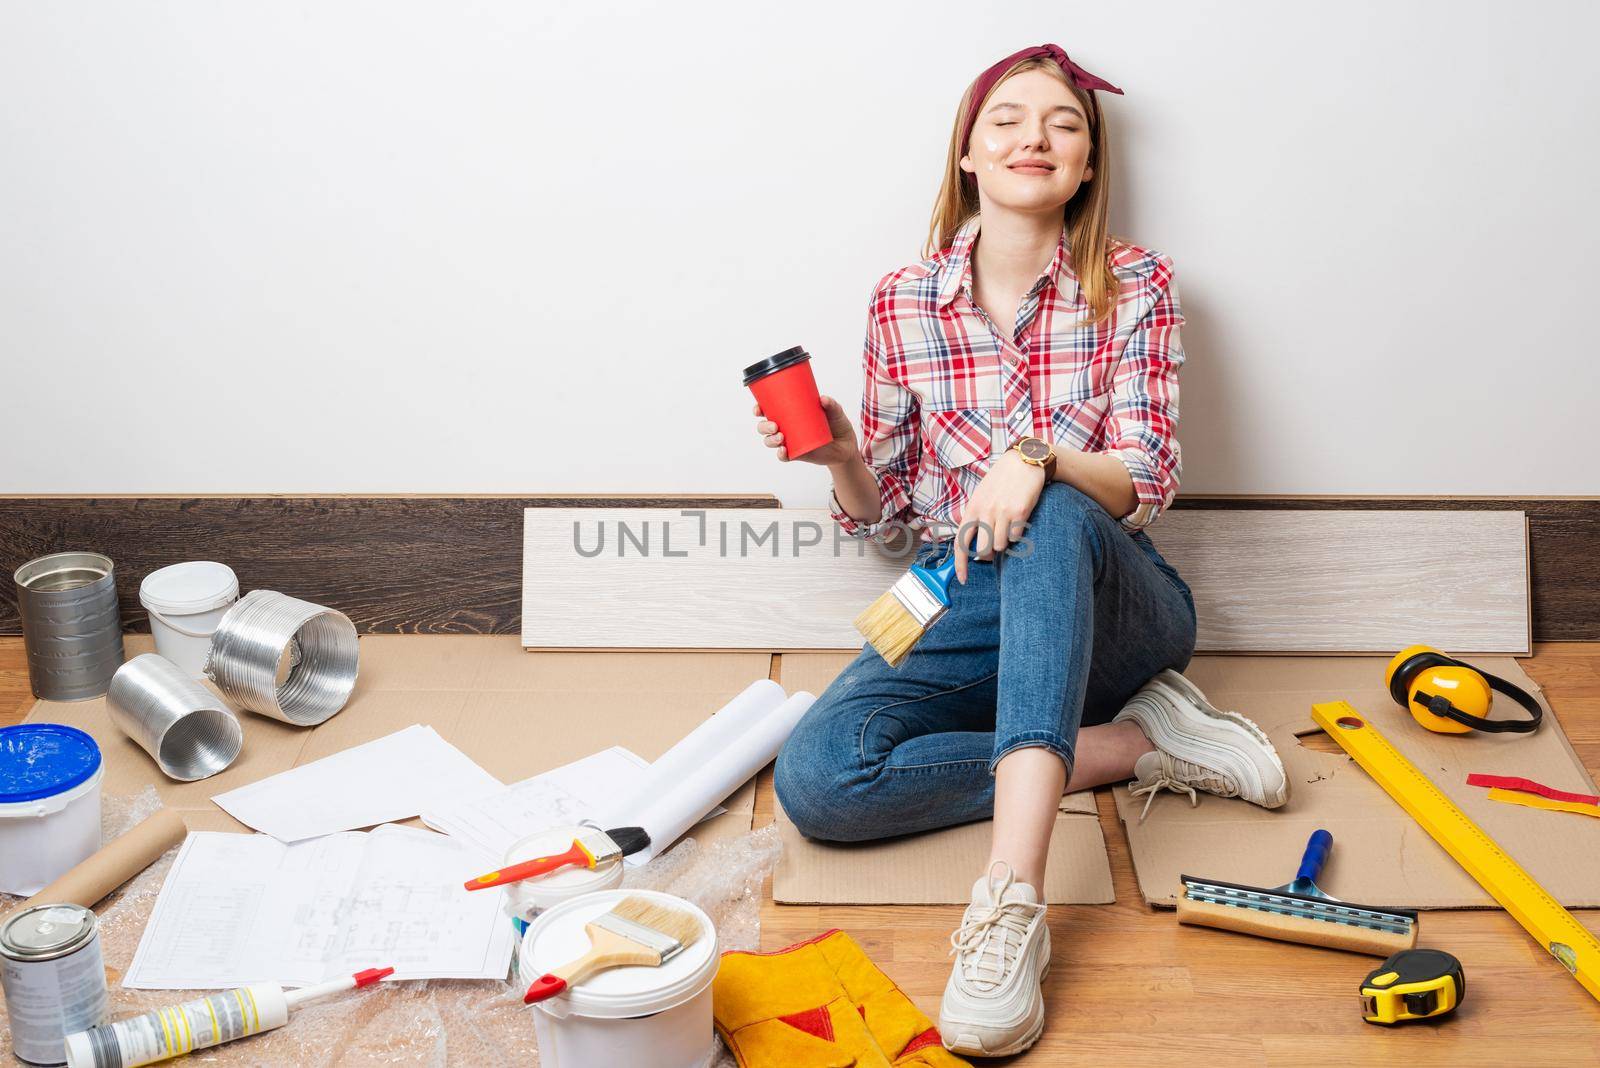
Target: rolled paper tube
pixel 116 862
pixel 690 755
pixel 667 817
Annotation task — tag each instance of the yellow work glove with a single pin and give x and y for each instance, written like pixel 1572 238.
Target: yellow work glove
pixel 820 1003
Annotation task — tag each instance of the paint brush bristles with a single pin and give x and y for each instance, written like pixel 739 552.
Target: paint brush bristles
pixel 895 622
pixel 638 932
pixel 891 628
pixel 680 926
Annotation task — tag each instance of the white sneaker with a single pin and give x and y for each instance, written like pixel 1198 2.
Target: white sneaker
pixel 992 1005
pixel 1199 747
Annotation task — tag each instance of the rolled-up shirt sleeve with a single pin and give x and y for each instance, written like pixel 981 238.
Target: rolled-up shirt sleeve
pixel 889 439
pixel 1144 405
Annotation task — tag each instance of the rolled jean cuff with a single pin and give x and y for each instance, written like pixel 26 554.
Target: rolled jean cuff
pixel 1036 740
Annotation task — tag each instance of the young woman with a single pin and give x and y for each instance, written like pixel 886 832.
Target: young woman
pixel 1020 383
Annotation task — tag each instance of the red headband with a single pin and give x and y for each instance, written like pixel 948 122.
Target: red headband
pixel 1079 77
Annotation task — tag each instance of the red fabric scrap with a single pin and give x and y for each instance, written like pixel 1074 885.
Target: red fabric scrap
pixel 1528 786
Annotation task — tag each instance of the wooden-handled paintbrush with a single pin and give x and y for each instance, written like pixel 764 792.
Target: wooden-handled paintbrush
pixel 895 622
pixel 638 932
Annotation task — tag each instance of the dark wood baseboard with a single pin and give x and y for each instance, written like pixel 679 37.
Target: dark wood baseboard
pixel 453 565
pixel 394 565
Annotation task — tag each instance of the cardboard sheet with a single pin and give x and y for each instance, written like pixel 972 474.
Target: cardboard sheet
pixel 514 713
pixel 1380 856
pixel 933 868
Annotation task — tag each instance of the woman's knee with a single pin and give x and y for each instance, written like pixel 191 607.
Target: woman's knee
pixel 1184 653
pixel 1066 515
pixel 807 782
pixel 826 791
pixel 1064 504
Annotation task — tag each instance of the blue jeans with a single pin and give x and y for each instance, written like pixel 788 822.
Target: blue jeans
pixel 1030 648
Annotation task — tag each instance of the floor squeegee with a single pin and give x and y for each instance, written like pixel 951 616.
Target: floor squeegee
pixel 1298 911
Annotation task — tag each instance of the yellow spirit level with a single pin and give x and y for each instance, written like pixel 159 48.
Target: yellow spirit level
pixel 1551 926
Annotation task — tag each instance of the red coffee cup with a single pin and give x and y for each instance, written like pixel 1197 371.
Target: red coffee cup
pixel 787 392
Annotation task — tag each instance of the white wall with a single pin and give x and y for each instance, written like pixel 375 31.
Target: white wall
pixel 514 247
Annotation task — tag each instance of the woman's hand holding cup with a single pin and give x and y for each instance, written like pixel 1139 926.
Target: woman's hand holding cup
pixel 842 449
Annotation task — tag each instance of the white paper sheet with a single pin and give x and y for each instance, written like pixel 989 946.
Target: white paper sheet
pixel 246 908
pixel 570 794
pixel 392 778
pixel 678 791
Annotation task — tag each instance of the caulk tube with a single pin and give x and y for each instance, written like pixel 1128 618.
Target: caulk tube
pixel 199 1024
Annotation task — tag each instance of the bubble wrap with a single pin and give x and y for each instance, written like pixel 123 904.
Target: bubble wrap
pixel 433 1022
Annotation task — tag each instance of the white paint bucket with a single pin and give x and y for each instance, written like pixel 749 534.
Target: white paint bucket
pixel 49 803
pixel 526 901
pixel 186 602
pixel 655 1016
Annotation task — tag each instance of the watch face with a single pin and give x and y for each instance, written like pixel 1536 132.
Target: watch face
pixel 1033 448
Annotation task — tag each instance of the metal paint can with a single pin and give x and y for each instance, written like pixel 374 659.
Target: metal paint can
pixel 70 624
pixel 54 978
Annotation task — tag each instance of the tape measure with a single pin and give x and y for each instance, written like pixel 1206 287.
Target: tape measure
pixel 1552 926
pixel 1414 984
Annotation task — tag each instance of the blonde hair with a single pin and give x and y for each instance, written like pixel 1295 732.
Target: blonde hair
pixel 1085 215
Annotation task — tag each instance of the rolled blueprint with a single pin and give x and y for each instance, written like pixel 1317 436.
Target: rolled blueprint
pixel 701 744
pixel 709 782
pixel 115 863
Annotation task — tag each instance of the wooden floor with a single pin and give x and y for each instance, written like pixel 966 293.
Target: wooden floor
pixel 1129 986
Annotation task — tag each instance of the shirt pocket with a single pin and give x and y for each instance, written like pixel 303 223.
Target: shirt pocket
pixel 959 437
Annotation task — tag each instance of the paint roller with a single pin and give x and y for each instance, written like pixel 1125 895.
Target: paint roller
pixel 1298 911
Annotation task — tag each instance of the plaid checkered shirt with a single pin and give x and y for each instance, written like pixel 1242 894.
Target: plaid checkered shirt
pixel 945 392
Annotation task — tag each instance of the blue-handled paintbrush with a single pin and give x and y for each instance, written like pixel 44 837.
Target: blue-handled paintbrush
pixel 895 622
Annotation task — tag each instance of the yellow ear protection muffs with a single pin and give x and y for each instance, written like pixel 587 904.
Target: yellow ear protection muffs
pixel 1450 697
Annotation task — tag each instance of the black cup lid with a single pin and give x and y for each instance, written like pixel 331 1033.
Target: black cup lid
pixel 773 364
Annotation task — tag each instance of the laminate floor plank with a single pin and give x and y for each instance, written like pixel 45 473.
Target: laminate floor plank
pixel 1265 581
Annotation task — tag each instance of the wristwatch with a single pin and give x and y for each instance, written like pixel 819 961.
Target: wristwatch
pixel 1039 453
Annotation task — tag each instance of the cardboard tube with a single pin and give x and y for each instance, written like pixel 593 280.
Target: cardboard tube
pixel 117 862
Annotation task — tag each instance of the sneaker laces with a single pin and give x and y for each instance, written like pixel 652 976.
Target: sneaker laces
pixel 1181 777
pixel 990 940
